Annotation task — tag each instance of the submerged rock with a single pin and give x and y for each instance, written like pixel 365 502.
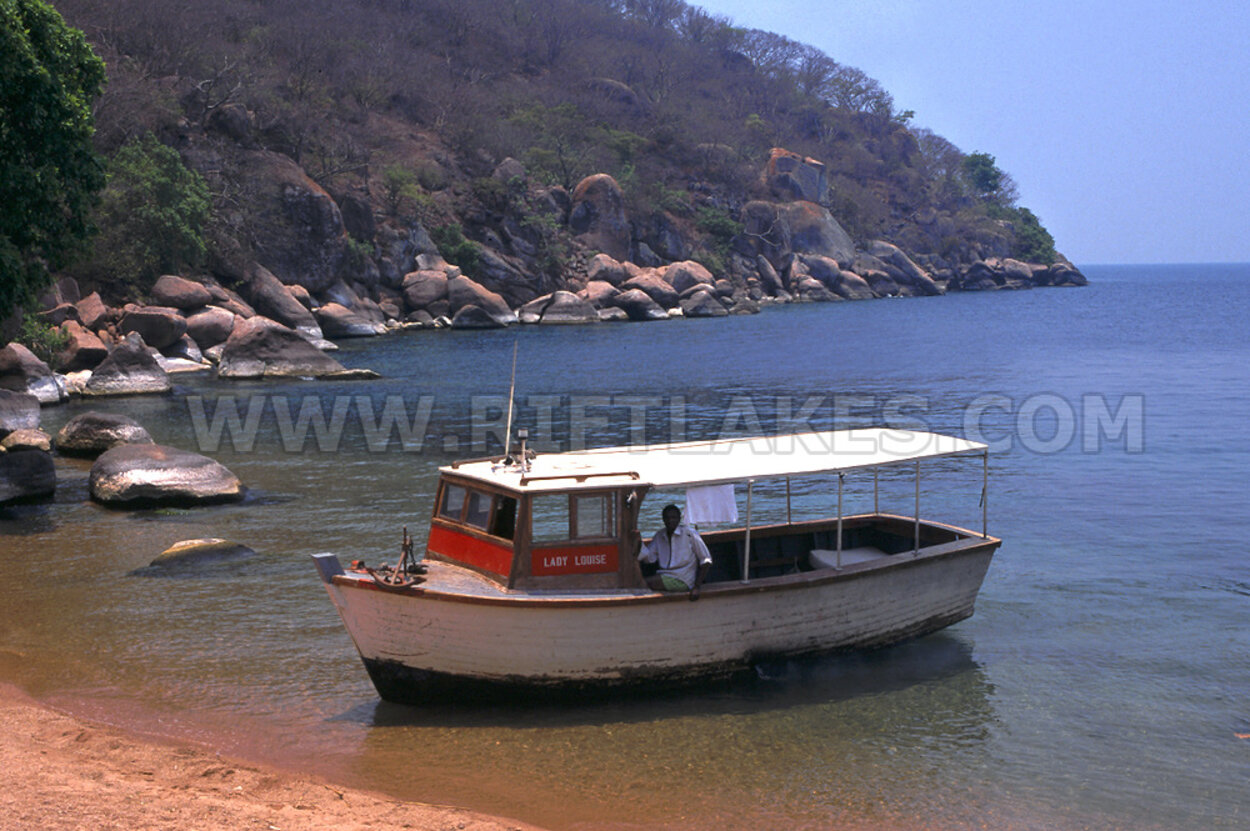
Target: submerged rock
pixel 134 475
pixel 200 552
pixel 91 433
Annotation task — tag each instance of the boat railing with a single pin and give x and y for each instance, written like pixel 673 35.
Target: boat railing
pixel 581 477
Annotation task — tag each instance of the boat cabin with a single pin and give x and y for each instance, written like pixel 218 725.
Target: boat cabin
pixel 569 521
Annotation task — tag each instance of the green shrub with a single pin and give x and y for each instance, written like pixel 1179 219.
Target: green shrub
pixel 46 341
pixel 152 215
pixel 1033 243
pixel 718 223
pixel 456 248
pixel 399 186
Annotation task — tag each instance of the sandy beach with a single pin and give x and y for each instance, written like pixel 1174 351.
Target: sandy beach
pixel 64 773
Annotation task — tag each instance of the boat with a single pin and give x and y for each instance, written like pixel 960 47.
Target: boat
pixel 530 579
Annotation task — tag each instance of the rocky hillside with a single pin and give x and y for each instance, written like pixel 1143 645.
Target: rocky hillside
pixel 461 162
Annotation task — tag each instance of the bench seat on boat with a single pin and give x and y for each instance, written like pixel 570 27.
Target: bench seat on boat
pixel 828 558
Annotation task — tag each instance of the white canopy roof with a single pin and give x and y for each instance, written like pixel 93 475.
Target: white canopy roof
pixel 720 460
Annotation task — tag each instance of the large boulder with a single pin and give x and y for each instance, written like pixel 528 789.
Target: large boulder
pixel 423 288
pixel 230 301
pixel 85 349
pixel 906 272
pixel 26 475
pixel 791 177
pixel 159 326
pixel 210 326
pixel 260 349
pixel 298 225
pixel 461 292
pixel 1017 275
pixel 655 287
pixel 337 321
pixel 1063 273
pixel 18 411
pixel 845 284
pixel 638 306
pixel 599 293
pixel 474 317
pixel 663 236
pixel 779 231
pixel 271 299
pixel 703 303
pixel 180 293
pixel 91 433
pixel 979 276
pixel 22 371
pixel 687 274
pixel 561 307
pixel 603 268
pixel 129 369
pixel 92 313
pixel 506 276
pixel 598 216
pixel 134 475
pixel 770 280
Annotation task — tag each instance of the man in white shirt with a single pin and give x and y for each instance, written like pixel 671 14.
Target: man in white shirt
pixel 681 555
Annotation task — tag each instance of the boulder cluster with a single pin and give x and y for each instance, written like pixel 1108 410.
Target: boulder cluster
pixel 188 325
pixel 785 247
pixel 129 468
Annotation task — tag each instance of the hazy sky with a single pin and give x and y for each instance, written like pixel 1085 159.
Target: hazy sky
pixel 1125 124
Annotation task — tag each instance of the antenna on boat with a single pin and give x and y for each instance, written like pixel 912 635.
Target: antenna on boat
pixel 507 435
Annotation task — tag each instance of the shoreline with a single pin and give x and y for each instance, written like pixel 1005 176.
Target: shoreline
pixel 65 772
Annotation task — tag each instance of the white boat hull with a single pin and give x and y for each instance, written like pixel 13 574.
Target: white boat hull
pixel 421 642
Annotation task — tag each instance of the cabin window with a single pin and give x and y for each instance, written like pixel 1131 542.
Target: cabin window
pixel 592 515
pixel 477 513
pixel 503 523
pixel 493 513
pixel 559 517
pixel 453 502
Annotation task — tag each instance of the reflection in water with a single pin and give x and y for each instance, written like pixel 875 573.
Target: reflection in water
pixel 803 742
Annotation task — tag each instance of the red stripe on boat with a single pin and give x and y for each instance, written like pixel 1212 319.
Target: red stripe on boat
pixel 465 548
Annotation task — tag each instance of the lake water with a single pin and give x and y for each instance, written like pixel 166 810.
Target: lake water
pixel 1104 681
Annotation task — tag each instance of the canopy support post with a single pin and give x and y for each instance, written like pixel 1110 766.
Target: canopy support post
pixel 788 520
pixel 916 551
pixel 746 546
pixel 876 502
pixel 985 495
pixel 841 476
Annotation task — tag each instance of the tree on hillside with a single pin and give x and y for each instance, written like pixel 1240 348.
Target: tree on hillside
pixel 983 174
pixel 49 175
pixel 152 214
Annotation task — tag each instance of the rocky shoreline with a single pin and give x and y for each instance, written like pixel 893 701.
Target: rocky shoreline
pixel 789 249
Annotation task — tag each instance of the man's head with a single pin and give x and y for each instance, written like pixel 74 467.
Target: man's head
pixel 672 517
